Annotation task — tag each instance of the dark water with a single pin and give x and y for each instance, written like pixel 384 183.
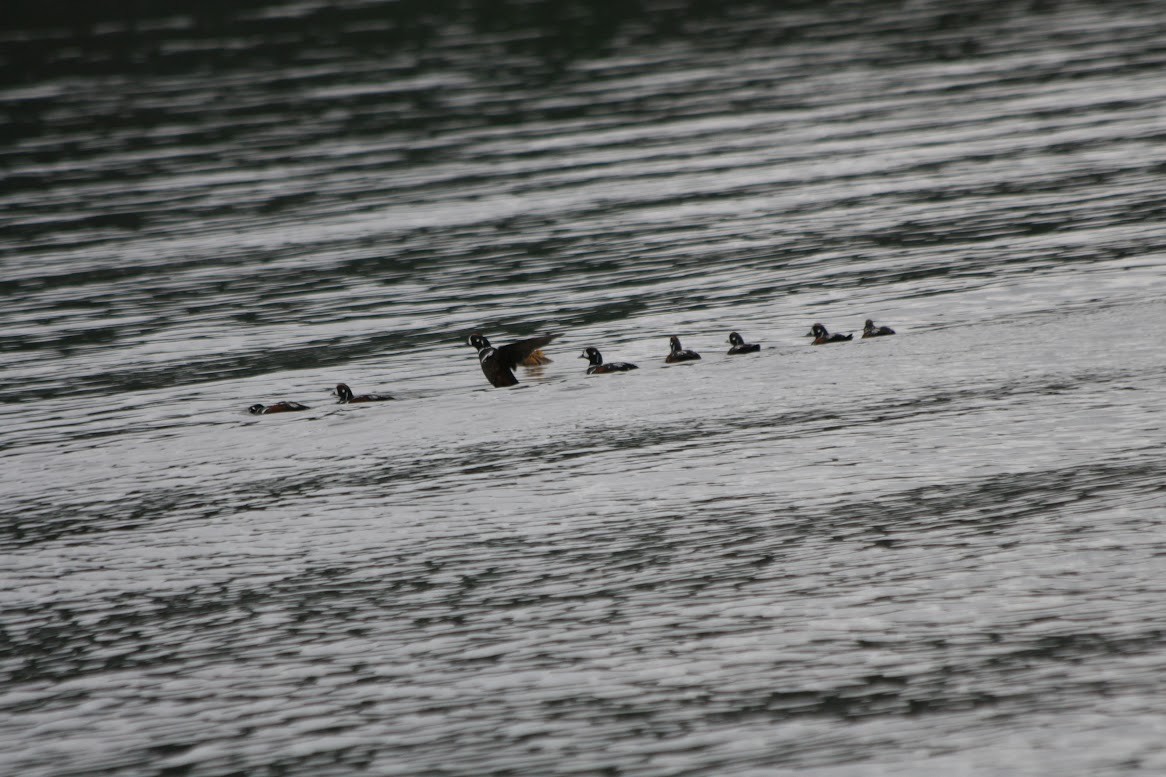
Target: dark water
pixel 942 552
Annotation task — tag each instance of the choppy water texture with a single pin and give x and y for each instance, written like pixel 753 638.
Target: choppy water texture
pixel 941 552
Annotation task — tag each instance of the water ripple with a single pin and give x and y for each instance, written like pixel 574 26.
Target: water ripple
pixel 939 551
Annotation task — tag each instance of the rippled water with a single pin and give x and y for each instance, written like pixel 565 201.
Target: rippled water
pixel 941 552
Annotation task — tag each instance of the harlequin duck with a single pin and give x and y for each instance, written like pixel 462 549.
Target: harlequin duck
pixel 345 396
pixel 498 363
pixel 740 346
pixel 536 359
pixel 599 368
pixel 278 407
pixel 870 330
pixel 821 336
pixel 678 354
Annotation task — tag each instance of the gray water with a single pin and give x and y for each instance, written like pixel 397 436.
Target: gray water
pixel 942 552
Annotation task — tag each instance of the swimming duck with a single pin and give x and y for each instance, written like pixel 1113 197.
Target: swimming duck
pixel 278 407
pixel 677 353
pixel 870 330
pixel 821 336
pixel 345 396
pixel 498 363
pixel 740 346
pixel 599 368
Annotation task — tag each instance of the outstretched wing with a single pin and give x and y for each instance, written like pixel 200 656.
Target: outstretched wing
pixel 512 354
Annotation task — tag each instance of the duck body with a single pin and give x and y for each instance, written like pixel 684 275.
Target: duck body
pixel 345 396
pixel 870 330
pixel 678 353
pixel 278 407
pixel 822 337
pixel 597 367
pixel 740 346
pixel 498 363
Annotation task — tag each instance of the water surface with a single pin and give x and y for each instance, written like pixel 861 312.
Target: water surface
pixel 941 551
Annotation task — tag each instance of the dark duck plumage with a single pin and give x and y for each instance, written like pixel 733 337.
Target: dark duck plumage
pixel 345 396
pixel 740 346
pixel 278 407
pixel 498 363
pixel 821 336
pixel 599 368
pixel 677 352
pixel 870 330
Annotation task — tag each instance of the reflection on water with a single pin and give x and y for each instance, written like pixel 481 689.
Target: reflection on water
pixel 933 552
